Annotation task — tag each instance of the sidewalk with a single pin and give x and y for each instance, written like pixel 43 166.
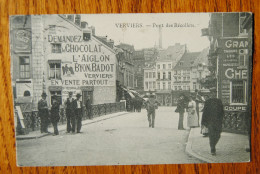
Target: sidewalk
pixel 230 148
pixel 38 134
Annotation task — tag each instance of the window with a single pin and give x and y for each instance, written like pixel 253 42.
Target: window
pixel 150 75
pixel 163 85
pixel 184 78
pixel 242 17
pixel 169 85
pixel 164 75
pixel 58 94
pixel 146 75
pixel 153 74
pixel 179 87
pixel 146 85
pixel 164 66
pixel 175 79
pixel 194 85
pixel 154 85
pixel 199 75
pixel 181 63
pixel 188 78
pixel 158 66
pixel 184 87
pixel 169 75
pixel 24 67
pixel 158 76
pixel 179 78
pixel 158 85
pixel 242 60
pixel 188 87
pixel 238 91
pixel 56 48
pixel 175 88
pixel 55 70
pixel 169 66
pixel 150 85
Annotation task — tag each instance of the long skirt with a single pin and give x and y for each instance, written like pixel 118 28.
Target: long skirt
pixel 192 119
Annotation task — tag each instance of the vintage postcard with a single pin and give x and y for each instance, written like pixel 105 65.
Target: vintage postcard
pixel 129 89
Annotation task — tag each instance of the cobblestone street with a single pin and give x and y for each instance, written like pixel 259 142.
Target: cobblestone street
pixel 126 139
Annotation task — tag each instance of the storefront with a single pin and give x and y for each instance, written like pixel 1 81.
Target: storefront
pixel 233 81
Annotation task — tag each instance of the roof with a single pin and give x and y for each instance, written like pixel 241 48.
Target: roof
pixel 173 53
pixel 187 60
pixel 202 57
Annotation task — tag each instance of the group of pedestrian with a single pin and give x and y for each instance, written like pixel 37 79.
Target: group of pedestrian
pixel 74 113
pixel 212 116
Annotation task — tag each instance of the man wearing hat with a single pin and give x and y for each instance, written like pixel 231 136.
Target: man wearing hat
pixel 212 118
pixel 43 113
pixel 78 111
pixel 151 106
pixel 55 114
pixel 69 113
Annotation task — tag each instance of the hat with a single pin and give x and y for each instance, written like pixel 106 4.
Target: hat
pixel 44 94
pixel 78 95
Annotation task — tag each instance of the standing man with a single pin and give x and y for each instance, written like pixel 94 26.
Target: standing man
pixel 69 113
pixel 55 114
pixel 181 105
pixel 212 118
pixel 151 105
pixel 89 107
pixel 78 111
pixel 43 113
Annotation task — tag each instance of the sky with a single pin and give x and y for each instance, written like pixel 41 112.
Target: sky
pixel 148 35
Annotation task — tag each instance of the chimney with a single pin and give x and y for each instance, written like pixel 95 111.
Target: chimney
pixel 84 24
pixel 93 30
pixel 77 20
pixel 160 37
pixel 111 43
pixel 70 17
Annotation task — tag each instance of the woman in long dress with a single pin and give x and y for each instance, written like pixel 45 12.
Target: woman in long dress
pixel 192 119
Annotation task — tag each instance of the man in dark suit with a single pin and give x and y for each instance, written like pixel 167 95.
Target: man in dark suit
pixel 55 114
pixel 78 111
pixel 69 113
pixel 212 117
pixel 43 113
pixel 182 104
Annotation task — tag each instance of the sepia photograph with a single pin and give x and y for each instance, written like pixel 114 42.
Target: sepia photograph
pixel 131 89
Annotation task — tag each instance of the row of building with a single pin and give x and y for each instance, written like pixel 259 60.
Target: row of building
pixel 61 53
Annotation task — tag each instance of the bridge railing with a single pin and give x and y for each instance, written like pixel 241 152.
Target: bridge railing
pixel 32 121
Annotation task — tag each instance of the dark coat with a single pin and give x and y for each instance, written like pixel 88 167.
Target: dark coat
pixel 43 109
pixel 182 103
pixel 213 113
pixel 55 112
pixel 75 108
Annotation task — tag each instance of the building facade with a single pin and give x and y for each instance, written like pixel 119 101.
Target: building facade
pixel 66 56
pixel 230 65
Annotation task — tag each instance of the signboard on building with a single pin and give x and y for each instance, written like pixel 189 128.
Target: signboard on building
pixel 22 40
pixel 234 68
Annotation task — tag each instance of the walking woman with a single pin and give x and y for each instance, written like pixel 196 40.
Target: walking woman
pixel 55 114
pixel 192 119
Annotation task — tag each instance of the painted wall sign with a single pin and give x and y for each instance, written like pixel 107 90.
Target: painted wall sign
pixel 22 40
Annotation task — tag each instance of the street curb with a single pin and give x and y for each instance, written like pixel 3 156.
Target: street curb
pixel 189 150
pixel 33 137
pixel 62 130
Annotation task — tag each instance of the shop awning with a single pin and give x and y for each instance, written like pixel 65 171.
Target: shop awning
pixel 129 93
